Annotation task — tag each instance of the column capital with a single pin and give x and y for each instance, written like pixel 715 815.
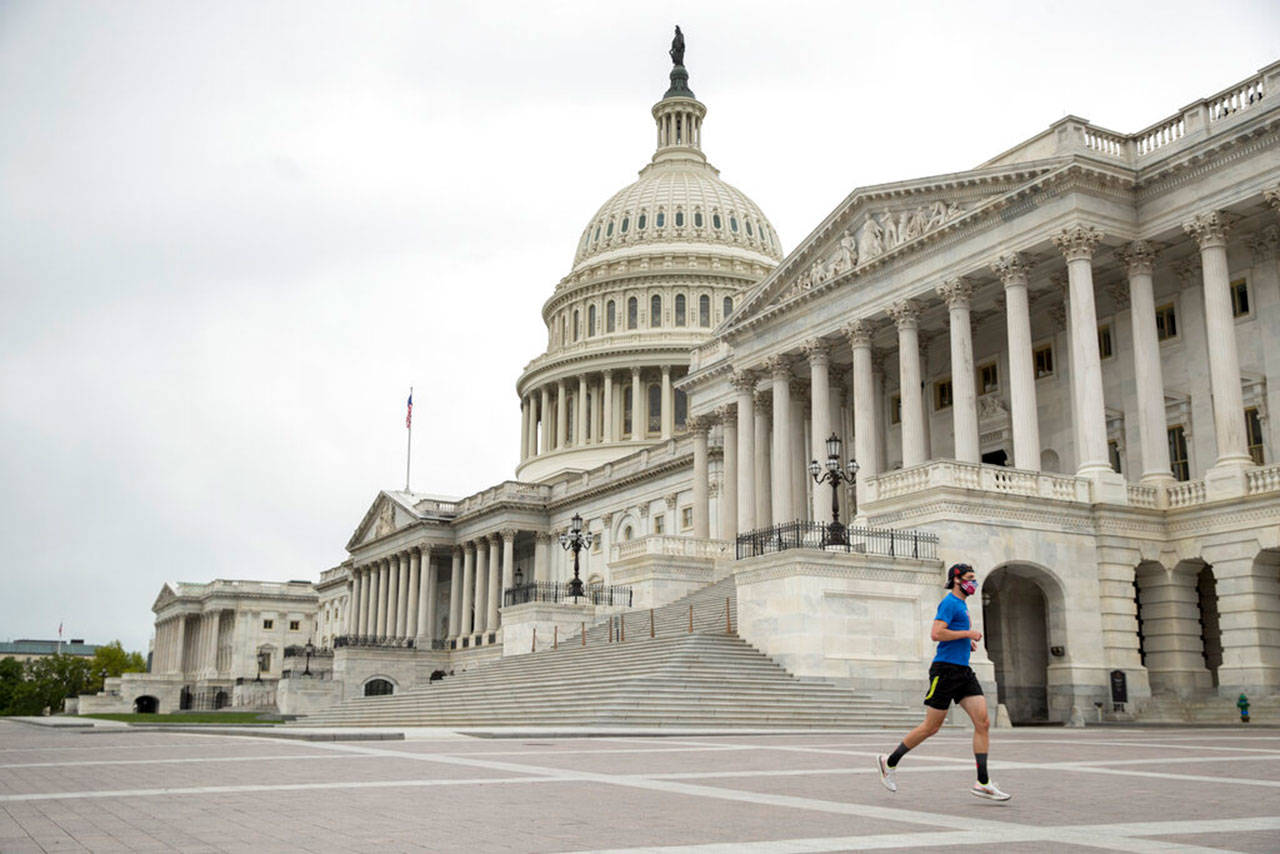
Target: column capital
pixel 698 425
pixel 493 538
pixel 764 402
pixel 727 413
pixel 816 350
pixel 1138 257
pixel 1077 242
pixel 779 367
pixel 1013 269
pixel 543 538
pixel 956 292
pixel 666 370
pixel 606 519
pixel 905 313
pixel 1209 229
pixel 508 533
pixel 671 498
pixel 743 380
pixel 457 550
pixel 1272 196
pixel 858 332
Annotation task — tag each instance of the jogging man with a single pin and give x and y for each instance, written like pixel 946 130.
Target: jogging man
pixel 951 678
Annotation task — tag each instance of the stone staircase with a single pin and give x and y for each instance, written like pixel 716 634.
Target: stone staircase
pixel 1167 708
pixel 678 678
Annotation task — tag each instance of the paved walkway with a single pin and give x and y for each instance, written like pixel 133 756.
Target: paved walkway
pixel 107 789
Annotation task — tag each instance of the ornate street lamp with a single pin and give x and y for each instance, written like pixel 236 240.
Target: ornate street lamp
pixel 575 539
pixel 310 650
pixel 835 475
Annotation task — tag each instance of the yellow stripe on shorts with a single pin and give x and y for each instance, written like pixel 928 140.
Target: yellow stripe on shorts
pixel 933 686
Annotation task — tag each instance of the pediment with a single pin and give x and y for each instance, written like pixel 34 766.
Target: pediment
pixel 386 515
pixel 874 225
pixel 166 595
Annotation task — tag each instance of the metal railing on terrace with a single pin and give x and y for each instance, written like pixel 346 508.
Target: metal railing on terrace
pixel 558 591
pixel 886 542
pixel 374 641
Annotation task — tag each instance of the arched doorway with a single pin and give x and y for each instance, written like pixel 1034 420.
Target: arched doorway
pixel 1021 616
pixel 378 688
pixel 146 705
pixel 221 700
pixel 184 699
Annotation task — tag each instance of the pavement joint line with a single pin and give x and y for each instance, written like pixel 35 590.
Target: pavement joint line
pixel 174 761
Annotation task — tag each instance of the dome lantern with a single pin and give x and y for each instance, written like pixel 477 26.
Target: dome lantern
pixel 679 114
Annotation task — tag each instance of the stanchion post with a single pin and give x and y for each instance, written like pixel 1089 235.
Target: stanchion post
pixel 584 633
pixel 728 622
pixel 534 646
pixel 611 628
pixel 555 637
pixel 622 628
pixel 650 622
pixel 690 618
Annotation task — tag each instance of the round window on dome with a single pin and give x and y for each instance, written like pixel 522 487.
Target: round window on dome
pixel 679 219
pixel 626 221
pixel 715 221
pixel 640 223
pixel 661 220
pixel 697 219
pixel 733 224
pixel 608 232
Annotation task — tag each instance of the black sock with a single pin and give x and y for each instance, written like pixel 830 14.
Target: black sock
pixel 897 754
pixel 982 768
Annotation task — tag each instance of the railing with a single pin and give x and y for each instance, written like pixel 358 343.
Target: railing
pixel 1262 480
pixel 1105 142
pixel 299 651
pixel 1242 96
pixel 372 641
pixel 1159 135
pixel 1186 493
pixel 953 473
pixel 671 546
pixel 318 675
pixel 558 591
pixel 1143 496
pixel 886 542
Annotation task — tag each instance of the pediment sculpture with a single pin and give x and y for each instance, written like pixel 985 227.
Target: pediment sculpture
pixel 991 408
pixel 888 230
pixel 386 519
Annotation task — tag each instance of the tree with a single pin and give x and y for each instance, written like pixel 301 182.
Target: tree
pixel 112 659
pixel 10 679
pixel 54 678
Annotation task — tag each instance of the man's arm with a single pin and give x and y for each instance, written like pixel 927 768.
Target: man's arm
pixel 940 632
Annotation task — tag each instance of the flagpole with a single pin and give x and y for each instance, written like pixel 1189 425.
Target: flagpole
pixel 408 452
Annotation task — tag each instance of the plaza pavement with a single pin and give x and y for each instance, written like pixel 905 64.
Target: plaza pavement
pixel 129 789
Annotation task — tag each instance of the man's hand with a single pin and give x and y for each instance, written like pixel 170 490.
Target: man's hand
pixel 973 646
pixel 974 635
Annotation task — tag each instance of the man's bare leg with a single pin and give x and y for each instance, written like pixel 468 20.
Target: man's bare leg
pixel 976 707
pixel 933 720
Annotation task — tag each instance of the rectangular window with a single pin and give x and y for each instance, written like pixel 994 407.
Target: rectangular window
pixel 1166 322
pixel 659 522
pixel 655 409
pixel 268 624
pixel 895 409
pixel 1043 357
pixel 1113 451
pixel 1178 453
pixel 942 394
pixel 295 625
pixel 610 318
pixel 988 378
pixel 1253 430
pixel 1104 341
pixel 1239 298
pixel 686 518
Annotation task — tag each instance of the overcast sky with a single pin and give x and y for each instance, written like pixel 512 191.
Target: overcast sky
pixel 233 235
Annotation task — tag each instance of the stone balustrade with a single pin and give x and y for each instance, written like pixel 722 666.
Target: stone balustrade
pixel 1262 480
pixel 1140 495
pixel 1186 494
pixel 671 546
pixel 989 478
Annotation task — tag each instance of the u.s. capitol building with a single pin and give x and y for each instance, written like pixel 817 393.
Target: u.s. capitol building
pixel 1057 366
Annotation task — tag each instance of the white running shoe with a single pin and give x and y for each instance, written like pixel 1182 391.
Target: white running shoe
pixel 886 774
pixel 990 791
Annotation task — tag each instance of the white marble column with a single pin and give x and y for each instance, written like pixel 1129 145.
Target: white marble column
pixel 727 510
pixel 608 406
pixel 495 582
pixel 542 557
pixel 597 413
pixel 1077 244
pixel 964 394
pixel 1013 270
pixel 799 458
pixel 455 593
pixel 353 608
pixel 545 419
pixel 562 416
pixel 580 422
pixel 745 383
pixel 781 506
pixel 402 599
pixel 508 562
pixel 907 317
pixel 393 597
pixel 524 428
pixel 1148 374
pixel 180 645
pixel 362 604
pixel 413 592
pixel 668 404
pixel 764 459
pixel 427 594
pixel 637 406
pixel 865 426
pixel 819 417
pixel 1210 232
pixel 481 619
pixel 375 597
pixel 699 427
pixel 466 621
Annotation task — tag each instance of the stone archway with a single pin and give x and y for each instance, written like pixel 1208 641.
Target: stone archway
pixel 379 687
pixel 1178 627
pixel 146 705
pixel 1024 634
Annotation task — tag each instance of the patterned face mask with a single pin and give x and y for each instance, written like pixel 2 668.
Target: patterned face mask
pixel 968 585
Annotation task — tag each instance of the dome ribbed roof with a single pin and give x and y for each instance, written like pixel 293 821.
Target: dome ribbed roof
pixel 665 207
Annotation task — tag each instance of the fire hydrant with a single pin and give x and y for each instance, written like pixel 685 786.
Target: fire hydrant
pixel 1243 705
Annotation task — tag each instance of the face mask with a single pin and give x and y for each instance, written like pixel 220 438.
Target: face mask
pixel 969 586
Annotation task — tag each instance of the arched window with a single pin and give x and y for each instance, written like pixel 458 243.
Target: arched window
pixel 633 313
pixel 682 409
pixel 704 310
pixel 728 306
pixel 640 223
pixel 575 324
pixel 747 222
pixel 697 219
pixel 564 330
pixel 655 408
pixel 597 237
pixel 625 222
pixel 610 317
pixel 628 532
pixel 378 688
pixel 662 219
pixel 733 224
pixel 715 221
pixel 591 321
pixel 680 315
pixel 679 218
pixel 655 311
pixel 626 410
pixel 608 232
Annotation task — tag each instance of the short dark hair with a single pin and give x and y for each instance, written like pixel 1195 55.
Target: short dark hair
pixel 956 570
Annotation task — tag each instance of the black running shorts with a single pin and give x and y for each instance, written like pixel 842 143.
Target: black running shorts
pixel 950 683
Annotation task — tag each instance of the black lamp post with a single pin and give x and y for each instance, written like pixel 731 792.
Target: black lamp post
pixel 835 475
pixel 575 539
pixel 310 650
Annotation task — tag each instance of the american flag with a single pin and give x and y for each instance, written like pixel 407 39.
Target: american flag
pixel 408 416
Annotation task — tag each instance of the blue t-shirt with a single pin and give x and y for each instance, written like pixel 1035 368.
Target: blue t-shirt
pixel 955 613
